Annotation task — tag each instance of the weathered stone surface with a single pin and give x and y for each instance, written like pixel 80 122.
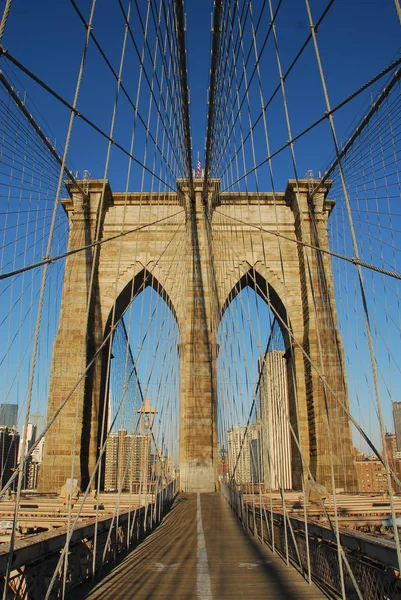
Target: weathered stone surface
pixel 219 248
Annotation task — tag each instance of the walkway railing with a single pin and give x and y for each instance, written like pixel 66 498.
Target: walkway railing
pixel 35 559
pixel 373 562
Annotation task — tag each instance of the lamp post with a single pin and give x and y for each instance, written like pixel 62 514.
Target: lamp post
pixel 223 454
pixel 147 414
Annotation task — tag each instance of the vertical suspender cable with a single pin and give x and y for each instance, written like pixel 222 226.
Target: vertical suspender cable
pixel 360 279
pixel 40 308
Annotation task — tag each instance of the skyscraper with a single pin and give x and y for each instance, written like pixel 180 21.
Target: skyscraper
pixel 274 421
pixel 127 460
pixel 397 423
pixel 243 453
pixel 34 465
pixel 9 446
pixel 29 441
pixel 8 415
pixel 390 446
pixel 39 421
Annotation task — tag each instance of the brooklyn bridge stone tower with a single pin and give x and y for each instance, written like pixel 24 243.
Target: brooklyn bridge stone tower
pixel 292 276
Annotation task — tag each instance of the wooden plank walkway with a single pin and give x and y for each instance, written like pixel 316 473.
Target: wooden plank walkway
pixel 200 551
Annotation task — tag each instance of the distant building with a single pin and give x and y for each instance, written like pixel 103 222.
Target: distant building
pixel 371 476
pixel 256 457
pixel 222 465
pixel 243 453
pixel 32 475
pixel 39 421
pixel 127 460
pixel 397 423
pixel 34 465
pixel 358 455
pixel 275 421
pixel 396 467
pixel 9 415
pixel 29 441
pixel 9 448
pixel 34 460
pixel 37 454
pixel 391 447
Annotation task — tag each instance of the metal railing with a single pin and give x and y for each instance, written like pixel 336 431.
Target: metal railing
pixel 373 562
pixel 35 559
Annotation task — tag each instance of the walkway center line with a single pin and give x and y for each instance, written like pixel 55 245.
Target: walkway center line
pixel 202 567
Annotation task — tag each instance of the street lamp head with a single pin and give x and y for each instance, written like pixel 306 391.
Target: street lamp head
pixel 147 414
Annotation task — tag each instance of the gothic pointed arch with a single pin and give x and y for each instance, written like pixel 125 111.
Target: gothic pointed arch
pixel 138 284
pixel 255 279
pixel 142 280
pixel 265 290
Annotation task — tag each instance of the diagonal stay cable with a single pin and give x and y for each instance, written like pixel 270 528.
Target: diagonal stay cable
pixel 53 259
pixel 212 88
pixel 113 71
pixel 82 376
pixel 375 106
pixel 326 115
pixel 6 54
pixel 184 87
pixel 227 137
pixel 285 75
pixel 37 129
pixel 352 259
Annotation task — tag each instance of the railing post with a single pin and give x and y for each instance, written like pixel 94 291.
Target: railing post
pixel 243 510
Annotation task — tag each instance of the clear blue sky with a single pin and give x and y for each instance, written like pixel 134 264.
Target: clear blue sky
pixel 357 39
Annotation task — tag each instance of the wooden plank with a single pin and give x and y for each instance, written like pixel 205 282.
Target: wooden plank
pixel 166 564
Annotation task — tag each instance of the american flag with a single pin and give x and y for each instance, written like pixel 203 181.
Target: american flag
pixel 198 172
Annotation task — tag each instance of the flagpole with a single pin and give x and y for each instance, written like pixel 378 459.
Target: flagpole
pixel 198 167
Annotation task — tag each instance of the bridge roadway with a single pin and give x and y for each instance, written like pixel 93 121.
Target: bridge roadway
pixel 200 551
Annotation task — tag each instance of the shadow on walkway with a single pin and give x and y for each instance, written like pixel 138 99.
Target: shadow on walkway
pixel 165 564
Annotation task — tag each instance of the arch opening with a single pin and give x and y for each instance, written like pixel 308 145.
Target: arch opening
pixel 266 292
pixel 140 370
pixel 256 388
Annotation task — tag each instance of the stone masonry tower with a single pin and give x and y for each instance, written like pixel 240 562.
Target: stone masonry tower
pixel 228 244
pixel 198 353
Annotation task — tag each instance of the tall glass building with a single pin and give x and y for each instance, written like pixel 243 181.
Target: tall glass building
pixel 8 415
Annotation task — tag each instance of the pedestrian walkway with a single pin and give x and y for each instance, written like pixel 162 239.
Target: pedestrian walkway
pixel 200 551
